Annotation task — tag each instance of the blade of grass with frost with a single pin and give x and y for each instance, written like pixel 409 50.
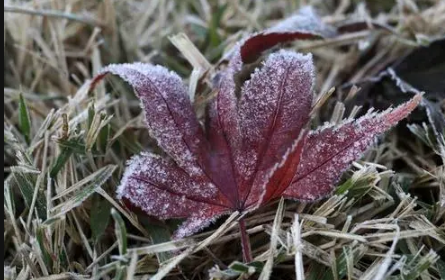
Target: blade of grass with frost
pixel 276 227
pixel 10 210
pixel 131 268
pixel 441 179
pixel 426 134
pixel 227 225
pixel 83 190
pixel 433 110
pixel 44 127
pixel 164 270
pixel 417 267
pixel 120 231
pixel 296 237
pixel 103 139
pixel 27 184
pixel 386 262
pixel 164 247
pixel 343 262
pixel 68 148
pixel 74 143
pixel 194 57
pixel 240 269
pixel 41 239
pixel 159 234
pixel 362 182
pixel 99 121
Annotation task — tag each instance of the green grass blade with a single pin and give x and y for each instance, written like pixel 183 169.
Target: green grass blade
pixel 26 184
pixel 24 119
pixel 100 217
pixel 120 230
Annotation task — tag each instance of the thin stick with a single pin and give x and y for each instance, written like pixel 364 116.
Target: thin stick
pixel 245 243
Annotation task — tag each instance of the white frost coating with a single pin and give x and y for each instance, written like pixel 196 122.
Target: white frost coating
pixel 336 126
pixel 156 73
pixel 161 189
pixel 198 222
pixel 304 60
pixel 261 94
pixel 436 119
pixel 132 168
pixel 168 112
pixel 274 106
pixel 329 151
pixel 304 21
pixel 234 54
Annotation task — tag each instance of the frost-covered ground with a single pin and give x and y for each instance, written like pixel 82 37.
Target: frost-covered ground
pixel 65 146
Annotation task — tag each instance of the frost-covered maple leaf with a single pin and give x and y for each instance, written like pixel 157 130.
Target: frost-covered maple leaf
pixel 255 147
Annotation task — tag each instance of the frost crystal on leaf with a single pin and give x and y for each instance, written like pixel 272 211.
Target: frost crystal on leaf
pixel 302 26
pixel 274 107
pixel 255 146
pixel 305 20
pixel 329 151
pixel 169 114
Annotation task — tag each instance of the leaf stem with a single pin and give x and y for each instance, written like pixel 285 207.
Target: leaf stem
pixel 245 243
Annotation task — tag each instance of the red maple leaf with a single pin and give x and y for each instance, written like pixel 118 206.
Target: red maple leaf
pixel 255 147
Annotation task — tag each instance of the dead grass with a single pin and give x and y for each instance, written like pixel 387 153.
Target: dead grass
pixel 65 148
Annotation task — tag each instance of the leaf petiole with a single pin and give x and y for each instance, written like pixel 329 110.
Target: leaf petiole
pixel 245 242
